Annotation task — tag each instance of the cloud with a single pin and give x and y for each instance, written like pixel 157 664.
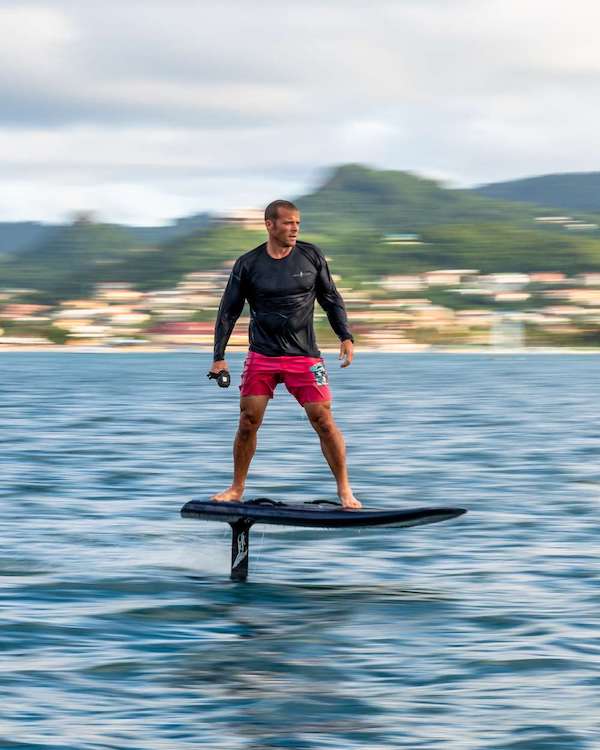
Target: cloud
pixel 235 94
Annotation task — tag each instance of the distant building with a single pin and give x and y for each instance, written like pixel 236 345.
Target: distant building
pixel 402 283
pixel 252 219
pixel 72 324
pixel 181 332
pixel 590 279
pixel 553 219
pixel 79 304
pixel 17 311
pixel 405 238
pixel 447 276
pixel 547 277
pixel 568 222
pixel 580 226
pixel 25 341
pixel 88 310
pixel 204 281
pixel 577 295
pixel 89 331
pixel 118 292
pixel 475 318
pixel 585 296
pixel 511 296
pixel 128 318
pixel 9 292
pixel 508 281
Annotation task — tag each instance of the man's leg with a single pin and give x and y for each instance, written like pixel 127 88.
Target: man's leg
pixel 252 410
pixel 333 447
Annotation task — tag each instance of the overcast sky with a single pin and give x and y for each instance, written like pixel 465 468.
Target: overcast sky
pixel 147 110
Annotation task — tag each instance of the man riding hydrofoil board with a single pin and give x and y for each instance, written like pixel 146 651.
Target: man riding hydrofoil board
pixel 281 279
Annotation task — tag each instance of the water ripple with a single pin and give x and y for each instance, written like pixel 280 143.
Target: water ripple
pixel 120 629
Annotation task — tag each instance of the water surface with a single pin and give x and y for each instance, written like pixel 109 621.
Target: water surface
pixel 119 627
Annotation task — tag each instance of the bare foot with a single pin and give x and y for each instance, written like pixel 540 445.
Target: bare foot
pixel 230 495
pixel 349 501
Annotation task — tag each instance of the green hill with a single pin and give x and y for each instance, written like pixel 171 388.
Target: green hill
pixel 351 215
pixel 392 201
pixel 576 191
pixel 71 260
pixel 22 236
pixel 356 207
pixel 177 229
pixel 17 236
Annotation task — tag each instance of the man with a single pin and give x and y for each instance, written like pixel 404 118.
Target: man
pixel 281 280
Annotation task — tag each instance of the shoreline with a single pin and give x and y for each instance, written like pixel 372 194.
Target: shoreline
pixel 417 349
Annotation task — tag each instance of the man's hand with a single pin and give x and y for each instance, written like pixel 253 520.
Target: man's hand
pixel 346 352
pixel 218 366
pixel 220 372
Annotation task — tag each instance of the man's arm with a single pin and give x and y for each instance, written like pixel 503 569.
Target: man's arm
pixel 230 309
pixel 331 301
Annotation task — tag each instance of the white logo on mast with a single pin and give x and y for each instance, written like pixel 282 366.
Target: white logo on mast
pixel 242 549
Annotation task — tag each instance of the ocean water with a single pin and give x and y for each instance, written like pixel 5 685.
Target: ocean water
pixel 119 626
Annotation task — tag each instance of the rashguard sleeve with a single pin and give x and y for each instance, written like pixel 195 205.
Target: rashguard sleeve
pixel 230 309
pixel 331 301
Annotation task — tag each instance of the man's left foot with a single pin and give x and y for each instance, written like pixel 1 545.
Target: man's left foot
pixel 349 501
pixel 230 495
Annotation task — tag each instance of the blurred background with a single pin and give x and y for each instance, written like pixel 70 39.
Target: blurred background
pixel 443 158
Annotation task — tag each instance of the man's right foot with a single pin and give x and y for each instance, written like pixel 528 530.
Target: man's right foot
pixel 230 495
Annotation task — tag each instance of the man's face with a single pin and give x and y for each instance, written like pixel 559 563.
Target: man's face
pixel 284 230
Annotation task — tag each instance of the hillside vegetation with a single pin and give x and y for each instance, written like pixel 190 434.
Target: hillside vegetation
pixel 391 201
pixel 576 191
pixel 351 215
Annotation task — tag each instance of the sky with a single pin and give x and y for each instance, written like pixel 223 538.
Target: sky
pixel 143 111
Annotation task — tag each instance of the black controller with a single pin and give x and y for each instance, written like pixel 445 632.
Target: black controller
pixel 222 377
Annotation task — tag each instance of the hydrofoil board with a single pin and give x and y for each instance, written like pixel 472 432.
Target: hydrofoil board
pixel 316 514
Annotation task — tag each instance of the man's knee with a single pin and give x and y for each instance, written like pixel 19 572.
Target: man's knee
pixel 250 421
pixel 321 419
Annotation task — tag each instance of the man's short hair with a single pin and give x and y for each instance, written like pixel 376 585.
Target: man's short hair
pixel 272 210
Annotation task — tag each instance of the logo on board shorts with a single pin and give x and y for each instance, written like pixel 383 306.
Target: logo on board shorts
pixel 320 373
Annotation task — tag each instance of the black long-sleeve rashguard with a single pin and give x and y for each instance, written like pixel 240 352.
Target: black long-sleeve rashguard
pixel 281 295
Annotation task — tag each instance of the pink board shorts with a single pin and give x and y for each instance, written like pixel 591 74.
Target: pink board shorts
pixel 304 377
